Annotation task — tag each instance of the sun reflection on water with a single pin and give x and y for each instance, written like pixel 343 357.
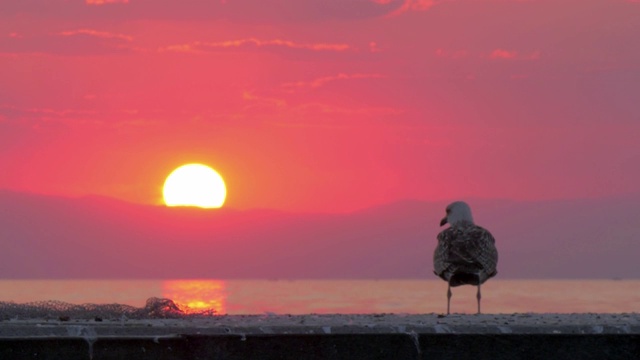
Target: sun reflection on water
pixel 197 295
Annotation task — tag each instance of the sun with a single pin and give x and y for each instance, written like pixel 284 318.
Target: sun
pixel 194 185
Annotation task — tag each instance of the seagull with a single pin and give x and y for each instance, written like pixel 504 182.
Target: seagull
pixel 466 253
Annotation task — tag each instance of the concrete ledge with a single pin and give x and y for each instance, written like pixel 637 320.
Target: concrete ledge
pixel 340 346
pixel 518 336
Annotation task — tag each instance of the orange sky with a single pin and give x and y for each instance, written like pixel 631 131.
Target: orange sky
pixel 322 105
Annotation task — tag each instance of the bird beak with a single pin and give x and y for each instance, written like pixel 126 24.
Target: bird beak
pixel 443 221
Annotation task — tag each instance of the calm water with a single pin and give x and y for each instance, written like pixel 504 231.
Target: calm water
pixel 339 296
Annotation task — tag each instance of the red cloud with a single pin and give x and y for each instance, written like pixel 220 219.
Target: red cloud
pixel 105 2
pixel 497 54
pixel 513 55
pixel 283 43
pixel 100 34
pixel 198 46
pixel 503 54
pixel 411 5
pixel 323 80
pixel 373 47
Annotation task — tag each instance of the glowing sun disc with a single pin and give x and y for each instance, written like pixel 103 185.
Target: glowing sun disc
pixel 194 185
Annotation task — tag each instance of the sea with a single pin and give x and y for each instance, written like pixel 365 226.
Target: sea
pixel 338 296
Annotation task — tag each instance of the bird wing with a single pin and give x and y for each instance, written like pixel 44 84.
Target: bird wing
pixel 479 247
pixel 441 253
pixel 466 249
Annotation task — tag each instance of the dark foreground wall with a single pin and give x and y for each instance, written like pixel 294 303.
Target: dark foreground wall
pixel 336 346
pixel 352 337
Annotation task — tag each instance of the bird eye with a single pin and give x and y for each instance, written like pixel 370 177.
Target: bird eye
pixel 448 210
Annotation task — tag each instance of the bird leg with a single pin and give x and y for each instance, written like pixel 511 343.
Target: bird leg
pixel 448 297
pixel 478 296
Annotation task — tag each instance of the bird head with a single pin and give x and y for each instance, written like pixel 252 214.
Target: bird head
pixel 457 211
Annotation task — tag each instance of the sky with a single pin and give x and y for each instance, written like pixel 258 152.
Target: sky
pixel 322 105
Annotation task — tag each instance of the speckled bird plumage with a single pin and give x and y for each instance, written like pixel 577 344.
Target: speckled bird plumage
pixel 466 253
pixel 465 248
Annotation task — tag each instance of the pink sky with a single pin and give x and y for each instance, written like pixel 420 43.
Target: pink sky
pixel 322 105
